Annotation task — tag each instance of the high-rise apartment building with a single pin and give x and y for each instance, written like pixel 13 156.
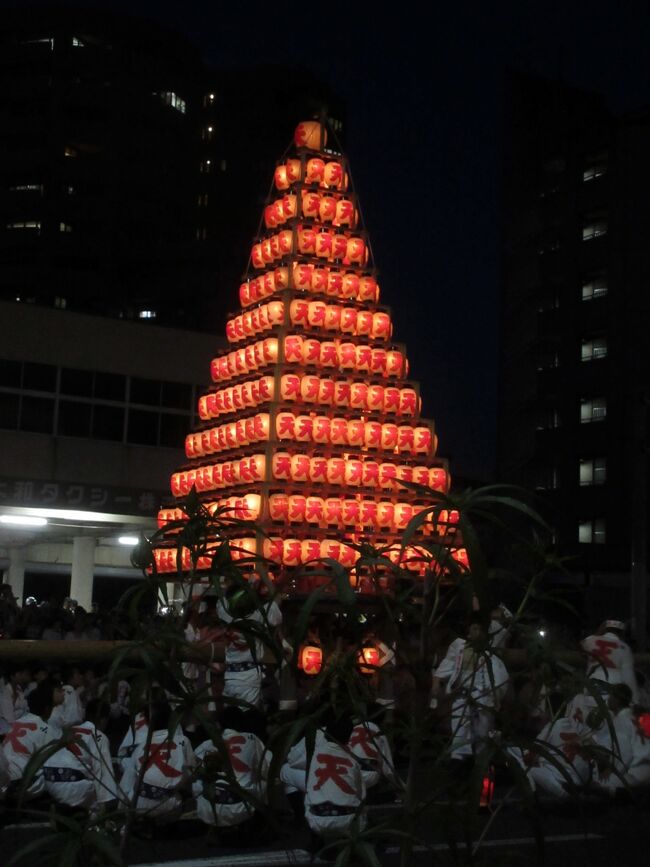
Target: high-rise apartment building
pixel 575 358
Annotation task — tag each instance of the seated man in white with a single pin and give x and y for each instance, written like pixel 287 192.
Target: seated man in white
pixel 159 768
pixel 371 749
pixel 618 741
pixel 28 735
pixel 244 760
pixel 80 774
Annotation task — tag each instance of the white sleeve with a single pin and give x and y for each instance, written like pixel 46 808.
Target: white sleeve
pixel 273 614
pixel 448 665
pixel 7 705
pixel 297 756
pixel 105 785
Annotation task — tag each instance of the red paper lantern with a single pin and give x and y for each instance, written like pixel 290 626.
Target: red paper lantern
pixel 267 251
pixel 321 429
pixel 292 552
pixel 333 175
pixel 294 170
pixel 422 440
pixel 370 474
pixel 381 326
pixel 408 402
pixel 375 398
pixel 388 436
pixel 300 468
pixel 327 209
pixel 270 217
pixel 385 515
pixel 309 550
pixel 319 280
pixel 368 289
pixel 279 507
pixel 290 387
pixel 310 659
pixel 351 512
pixel 316 314
pixel 280 178
pixel 310 205
pixel 333 512
pixel 345 213
pixel 244 294
pixel 363 358
pixel 334 284
pixel 335 471
pixel 403 514
pixel 285 425
pixel 309 389
pixel 348 320
pixel 257 468
pixel 326 390
pixel 368 513
pixel 302 276
pixel 350 286
pixel 364 323
pixel 310 134
pixel 353 473
pixel 315 170
pixel 404 473
pixel 329 354
pixel 317 469
pixel 387 475
pixel 281 465
pixel 347 356
pixel 285 242
pixel 314 509
pixel 332 317
pixel 356 251
pixel 297 505
pixel 275 310
pixel 270 350
pixel 340 248
pixel 438 479
pixel 339 431
pixel 298 312
pixel 293 348
pixel 347 556
pixel 405 438
pixel 355 432
pixel 272 549
pixel 372 435
pixel 391 400
pixel 281 278
pixel 324 245
pixel 303 428
pixel 358 395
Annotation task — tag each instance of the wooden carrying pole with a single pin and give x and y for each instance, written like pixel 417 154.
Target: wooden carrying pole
pixel 96 651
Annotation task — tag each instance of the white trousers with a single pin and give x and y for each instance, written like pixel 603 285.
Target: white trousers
pixel 469 724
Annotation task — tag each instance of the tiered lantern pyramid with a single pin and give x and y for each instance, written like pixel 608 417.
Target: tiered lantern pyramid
pixel 311 421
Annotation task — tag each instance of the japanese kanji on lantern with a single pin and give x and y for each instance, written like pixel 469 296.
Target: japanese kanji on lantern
pixel 310 428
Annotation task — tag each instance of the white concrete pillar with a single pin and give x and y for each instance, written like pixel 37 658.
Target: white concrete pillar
pixel 16 572
pixel 83 566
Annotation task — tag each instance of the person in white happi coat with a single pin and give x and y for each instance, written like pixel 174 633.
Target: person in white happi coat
pixel 136 734
pixel 561 761
pixel 80 774
pixel 476 680
pixel 371 749
pixel 335 791
pixel 218 801
pixel 13 702
pixel 71 711
pixel 167 762
pixel 245 652
pixel 619 740
pixel 28 735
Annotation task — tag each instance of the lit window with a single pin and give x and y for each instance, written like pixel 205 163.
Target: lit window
pixel 65 227
pixel 26 224
pixel 593 471
pixel 595 288
pixel 173 100
pixel 27 188
pixel 69 152
pixel 147 314
pixel 61 303
pixel 592 532
pixel 593 348
pixel 78 43
pixel 206 166
pixel 593 409
pixel 594 228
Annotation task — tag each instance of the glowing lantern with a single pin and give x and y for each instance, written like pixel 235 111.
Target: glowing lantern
pixel 231 335
pixel 421 476
pixel 368 289
pixel 327 208
pixel 375 398
pixel 335 471
pixel 297 505
pixel 317 469
pixel 285 425
pixel 309 388
pixel 340 248
pixel 310 351
pixel 270 217
pixel 341 393
pixel 300 468
pixel 310 134
pixel 303 428
pixel 334 284
pixel 281 278
pixel 347 556
pixel 387 475
pixel 408 401
pixel 422 440
pixel 280 178
pixel 351 512
pixel 358 395
pixel 353 473
pixel 275 311
pixel 381 326
pixel 321 429
pixel 385 515
pixel 355 432
pixel 249 509
pixel 368 513
pixel 310 205
pixel 227 474
pixel 333 175
pixel 257 468
pixel 391 399
pixel 404 473
pixel 370 474
pixel 314 509
pixel 310 659
pixel 217 476
pixel 372 435
pixel 293 348
pixel 338 431
pixel 270 350
pixel 388 436
pixel 333 512
pixel 272 549
pixel 307 242
pixel 278 207
pixel 267 251
pixel 285 242
pixel 281 465
pixel 403 514
pixel 254 320
pixel 324 245
pixel 329 354
pixel 276 253
pixel 438 479
pixel 350 287
pixel 251 433
pixel 176 484
pixel 319 280
pixel 291 552
pixel 302 276
pixel 405 438
pixel 363 358
pixel 460 556
pixel 347 356
pixel 314 171
pixel 332 317
pixel 289 387
pixel 345 213
pixel 310 550
pixel 278 507
pixel 298 312
pixel 326 391
pixel 294 170
pixel 348 320
pixel 244 294
pixel 356 251
pixel 316 314
pixel 364 323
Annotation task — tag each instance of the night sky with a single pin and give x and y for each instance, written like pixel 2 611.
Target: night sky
pixel 425 97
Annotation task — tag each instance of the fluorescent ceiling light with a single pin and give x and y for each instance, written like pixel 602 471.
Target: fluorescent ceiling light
pixel 23 520
pixel 128 540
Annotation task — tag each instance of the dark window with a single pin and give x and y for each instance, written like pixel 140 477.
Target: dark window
pixel 176 394
pixel 37 414
pixel 108 423
pixel 74 419
pixel 173 429
pixel 39 377
pixel 9 411
pixel 10 373
pixel 110 386
pixel 143 427
pixel 145 391
pixel 79 382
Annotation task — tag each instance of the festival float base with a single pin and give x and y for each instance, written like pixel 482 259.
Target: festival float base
pixel 311 422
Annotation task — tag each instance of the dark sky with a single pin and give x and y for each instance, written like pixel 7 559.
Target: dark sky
pixel 425 94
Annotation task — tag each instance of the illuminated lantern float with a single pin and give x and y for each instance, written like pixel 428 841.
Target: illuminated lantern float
pixel 311 422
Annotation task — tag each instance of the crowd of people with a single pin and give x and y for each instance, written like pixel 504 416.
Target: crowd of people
pixel 98 751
